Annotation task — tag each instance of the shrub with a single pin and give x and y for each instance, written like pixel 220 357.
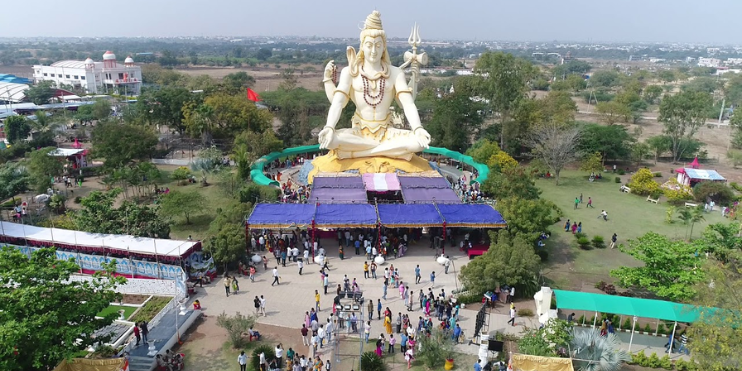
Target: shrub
pixel 653 361
pixel 621 172
pixel 180 174
pixel 77 200
pixel 657 175
pixel 736 186
pixel 617 179
pixel 627 324
pixel 469 298
pixel 683 365
pixel 236 326
pixel 665 362
pixel 434 349
pixel 255 359
pixel 677 192
pixel 584 243
pixel 647 328
pixel 579 235
pixel 642 183
pixel 525 313
pixel 598 242
pixel 639 358
pixel 719 192
pixel 372 362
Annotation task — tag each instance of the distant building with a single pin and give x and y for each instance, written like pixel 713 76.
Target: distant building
pixel 94 77
pixel 733 61
pixel 709 62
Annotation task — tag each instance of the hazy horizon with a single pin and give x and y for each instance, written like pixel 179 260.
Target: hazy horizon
pixel 539 20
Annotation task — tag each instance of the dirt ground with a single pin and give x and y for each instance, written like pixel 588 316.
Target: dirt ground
pixel 266 79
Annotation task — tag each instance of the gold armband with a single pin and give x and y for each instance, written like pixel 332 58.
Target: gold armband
pixel 403 91
pixel 341 92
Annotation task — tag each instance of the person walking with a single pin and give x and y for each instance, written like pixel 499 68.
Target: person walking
pixel 316 300
pixel 227 284
pixel 684 344
pixel 256 303
pixel 613 240
pixel 418 276
pixel 373 269
pixel 367 330
pixel 384 296
pixel 252 273
pixel 145 330
pixel 378 309
pixel 136 335
pixel 262 305
pixel 580 197
pixel 300 265
pixel 432 278
pixel 370 310
pixel 447 264
pixel 365 269
pixel 304 334
pixel 242 361
pixel 325 282
pixel 577 202
pixel 275 277
pixel 590 202
pixel 512 316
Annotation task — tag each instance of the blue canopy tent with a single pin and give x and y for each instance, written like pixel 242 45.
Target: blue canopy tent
pixel 345 216
pixel 281 215
pixel 409 215
pixel 471 216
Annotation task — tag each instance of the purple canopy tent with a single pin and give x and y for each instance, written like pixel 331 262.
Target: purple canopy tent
pixel 346 216
pixel 281 215
pixel 420 190
pixel 472 216
pixel 381 182
pixel 328 190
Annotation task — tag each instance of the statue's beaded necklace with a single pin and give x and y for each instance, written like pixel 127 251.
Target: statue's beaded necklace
pixel 371 99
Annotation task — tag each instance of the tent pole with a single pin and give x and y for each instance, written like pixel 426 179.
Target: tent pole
pixel 595 319
pixel 631 341
pixel 443 247
pixel 672 338
pixel 657 330
pixel 621 322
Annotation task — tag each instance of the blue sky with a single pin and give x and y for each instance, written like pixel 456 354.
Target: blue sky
pixel 534 20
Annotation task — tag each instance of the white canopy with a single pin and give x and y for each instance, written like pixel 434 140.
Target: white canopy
pixel 124 243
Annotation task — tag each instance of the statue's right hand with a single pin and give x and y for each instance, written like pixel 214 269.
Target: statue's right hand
pixel 329 68
pixel 325 137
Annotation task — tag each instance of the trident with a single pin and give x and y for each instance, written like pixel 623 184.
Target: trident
pixel 413 59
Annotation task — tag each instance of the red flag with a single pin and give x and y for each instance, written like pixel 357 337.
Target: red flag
pixel 252 95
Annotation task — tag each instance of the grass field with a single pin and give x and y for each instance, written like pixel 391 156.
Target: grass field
pixel 215 198
pixel 629 216
pixel 115 309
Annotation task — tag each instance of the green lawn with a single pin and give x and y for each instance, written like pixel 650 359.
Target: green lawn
pixel 215 198
pixel 115 308
pixel 629 216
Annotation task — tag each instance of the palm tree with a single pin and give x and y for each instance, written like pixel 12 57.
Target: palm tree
pixel 598 353
pixel 695 218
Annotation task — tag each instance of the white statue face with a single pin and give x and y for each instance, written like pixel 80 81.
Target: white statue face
pixel 373 48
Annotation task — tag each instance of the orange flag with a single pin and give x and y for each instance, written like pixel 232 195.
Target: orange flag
pixel 252 95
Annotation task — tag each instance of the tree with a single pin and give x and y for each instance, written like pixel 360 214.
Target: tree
pixel 682 114
pixel 506 83
pixel 509 261
pixel 263 54
pixel 652 93
pixel 658 144
pixel 642 183
pixel 236 326
pixel 605 79
pixel 715 336
pixel 289 80
pixel 182 203
pixel 98 215
pixel 44 316
pixel 671 268
pixel 250 145
pixel 13 180
pixel 555 146
pixel 528 218
pixel 40 93
pixel 181 173
pixel 42 167
pixel 236 83
pixel 17 128
pixel 511 183
pixel 592 163
pixel 434 349
pixel 533 343
pixel 224 116
pixel 599 353
pixel 483 150
pixel 456 120
pixel 101 109
pixel 639 151
pixel 84 114
pixel 723 240
pixel 165 106
pixel 612 142
pixel 719 192
pixel 122 144
pixel 225 239
pixel 667 76
pixel 613 111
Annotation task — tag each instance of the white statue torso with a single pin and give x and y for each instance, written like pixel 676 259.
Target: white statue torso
pixel 363 108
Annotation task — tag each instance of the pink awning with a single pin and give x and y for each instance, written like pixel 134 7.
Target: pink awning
pixel 381 182
pixel 694 164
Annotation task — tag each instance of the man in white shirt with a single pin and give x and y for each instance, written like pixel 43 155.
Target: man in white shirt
pixel 306 256
pixel 301 266
pixel 242 361
pixel 321 335
pixel 262 305
pixel 328 330
pixel 275 277
pixel 512 316
pixel 263 363
pixel 261 241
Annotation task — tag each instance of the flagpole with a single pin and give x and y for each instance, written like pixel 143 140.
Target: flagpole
pixel 157 258
pixel 77 250
pixel 131 264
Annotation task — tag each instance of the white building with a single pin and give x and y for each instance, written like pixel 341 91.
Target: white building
pixel 709 62
pixel 733 61
pixel 94 77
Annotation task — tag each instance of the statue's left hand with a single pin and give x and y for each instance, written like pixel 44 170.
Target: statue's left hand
pixel 423 137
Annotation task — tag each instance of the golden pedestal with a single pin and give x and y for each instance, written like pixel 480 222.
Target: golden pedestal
pixel 329 163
